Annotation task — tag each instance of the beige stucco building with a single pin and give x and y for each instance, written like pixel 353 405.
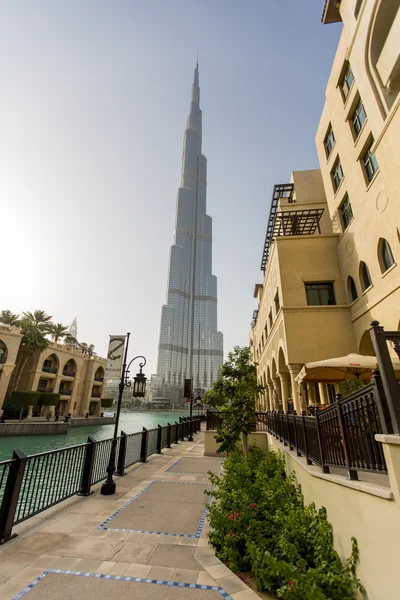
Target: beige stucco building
pixel 324 283
pixel 76 376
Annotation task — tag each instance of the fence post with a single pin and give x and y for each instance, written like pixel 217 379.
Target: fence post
pixel 296 444
pixel 381 403
pixel 159 434
pixel 288 428
pixel 86 479
pixel 325 468
pixel 11 495
pixel 303 415
pixel 143 450
pixel 176 433
pixel 389 382
pixel 352 473
pixel 122 454
pixel 169 435
pixel 182 432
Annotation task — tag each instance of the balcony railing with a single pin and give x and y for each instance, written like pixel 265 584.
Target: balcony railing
pixel 47 390
pixel 99 379
pixel 47 369
pixel 65 392
pixel 67 373
pixel 96 395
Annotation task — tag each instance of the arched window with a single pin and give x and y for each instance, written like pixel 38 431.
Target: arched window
pixel 385 255
pixel 365 276
pixel 352 290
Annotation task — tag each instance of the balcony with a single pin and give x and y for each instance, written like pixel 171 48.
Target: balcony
pixel 96 395
pixel 99 379
pixel 47 390
pixel 65 392
pixel 67 373
pixel 288 222
pixel 47 369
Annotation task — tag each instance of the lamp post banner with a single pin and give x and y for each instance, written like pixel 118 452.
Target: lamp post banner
pixel 115 356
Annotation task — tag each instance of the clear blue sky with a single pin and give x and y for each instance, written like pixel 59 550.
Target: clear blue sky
pixel 94 101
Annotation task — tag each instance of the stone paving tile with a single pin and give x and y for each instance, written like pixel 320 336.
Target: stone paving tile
pixel 208 561
pixel 136 570
pixel 66 562
pixel 246 595
pixel 204 551
pixel 205 579
pixel 38 543
pixel 46 560
pixel 88 565
pixel 185 541
pixel 174 556
pixel 85 548
pixel 218 571
pixel 28 574
pixel 105 567
pixel 232 584
pixel 10 589
pixel 161 573
pixel 185 575
pixel 171 540
pixel 119 569
pixel 133 553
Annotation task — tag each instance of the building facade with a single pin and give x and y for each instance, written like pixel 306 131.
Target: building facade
pixel 358 145
pixel 190 345
pixel 77 376
pixel 324 284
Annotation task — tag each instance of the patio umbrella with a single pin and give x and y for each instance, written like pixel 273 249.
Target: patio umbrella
pixel 342 368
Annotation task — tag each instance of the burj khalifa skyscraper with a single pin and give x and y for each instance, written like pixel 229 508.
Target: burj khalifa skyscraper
pixel 190 345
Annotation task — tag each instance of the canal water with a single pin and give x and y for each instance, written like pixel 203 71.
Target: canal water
pixel 129 422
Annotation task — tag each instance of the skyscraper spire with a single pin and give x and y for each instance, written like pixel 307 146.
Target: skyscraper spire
pixel 190 344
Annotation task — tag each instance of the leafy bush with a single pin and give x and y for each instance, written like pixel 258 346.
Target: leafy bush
pixel 107 402
pixel 48 399
pixel 259 523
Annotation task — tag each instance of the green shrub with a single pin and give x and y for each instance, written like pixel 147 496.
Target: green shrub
pixel 49 399
pixel 259 523
pixel 107 402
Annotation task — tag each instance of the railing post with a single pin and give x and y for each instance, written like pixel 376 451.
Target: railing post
pixel 169 435
pixel 303 415
pixel 389 382
pixel 288 416
pixel 86 479
pixel 176 433
pixel 143 450
pixel 11 495
pixel 325 468
pixel 381 403
pixel 159 434
pixel 122 454
pixel 352 473
pixel 182 432
pixel 296 444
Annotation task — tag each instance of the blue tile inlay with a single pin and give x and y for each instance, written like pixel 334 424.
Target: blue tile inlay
pixel 103 526
pixel 195 586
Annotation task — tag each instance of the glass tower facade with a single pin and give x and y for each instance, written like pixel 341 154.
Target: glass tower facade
pixel 190 345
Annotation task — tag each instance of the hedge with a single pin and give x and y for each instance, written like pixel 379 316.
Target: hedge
pixel 49 399
pixel 22 399
pixel 107 402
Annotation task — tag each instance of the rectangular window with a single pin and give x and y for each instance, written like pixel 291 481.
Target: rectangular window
pixel 347 82
pixel 277 304
pixel 320 294
pixel 370 163
pixel 346 212
pixel 359 117
pixel 337 175
pixel 329 142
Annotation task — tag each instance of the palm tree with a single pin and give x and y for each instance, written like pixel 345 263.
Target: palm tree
pixel 33 340
pixel 57 331
pixel 37 318
pixel 9 318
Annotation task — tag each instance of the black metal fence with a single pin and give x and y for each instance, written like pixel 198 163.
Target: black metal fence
pixel 342 435
pixel 31 484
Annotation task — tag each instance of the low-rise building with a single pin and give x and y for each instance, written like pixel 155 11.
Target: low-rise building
pixel 78 376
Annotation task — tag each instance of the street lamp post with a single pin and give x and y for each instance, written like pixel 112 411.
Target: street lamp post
pixel 139 388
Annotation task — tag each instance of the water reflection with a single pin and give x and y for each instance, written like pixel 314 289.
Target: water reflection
pixel 129 422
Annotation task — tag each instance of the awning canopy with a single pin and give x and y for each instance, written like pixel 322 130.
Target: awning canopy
pixel 342 368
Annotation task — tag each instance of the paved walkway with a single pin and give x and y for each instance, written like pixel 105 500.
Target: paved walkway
pixel 148 541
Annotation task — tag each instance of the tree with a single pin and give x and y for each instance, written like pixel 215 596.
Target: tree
pixel 57 331
pixel 33 340
pixel 235 393
pixel 38 318
pixel 9 318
